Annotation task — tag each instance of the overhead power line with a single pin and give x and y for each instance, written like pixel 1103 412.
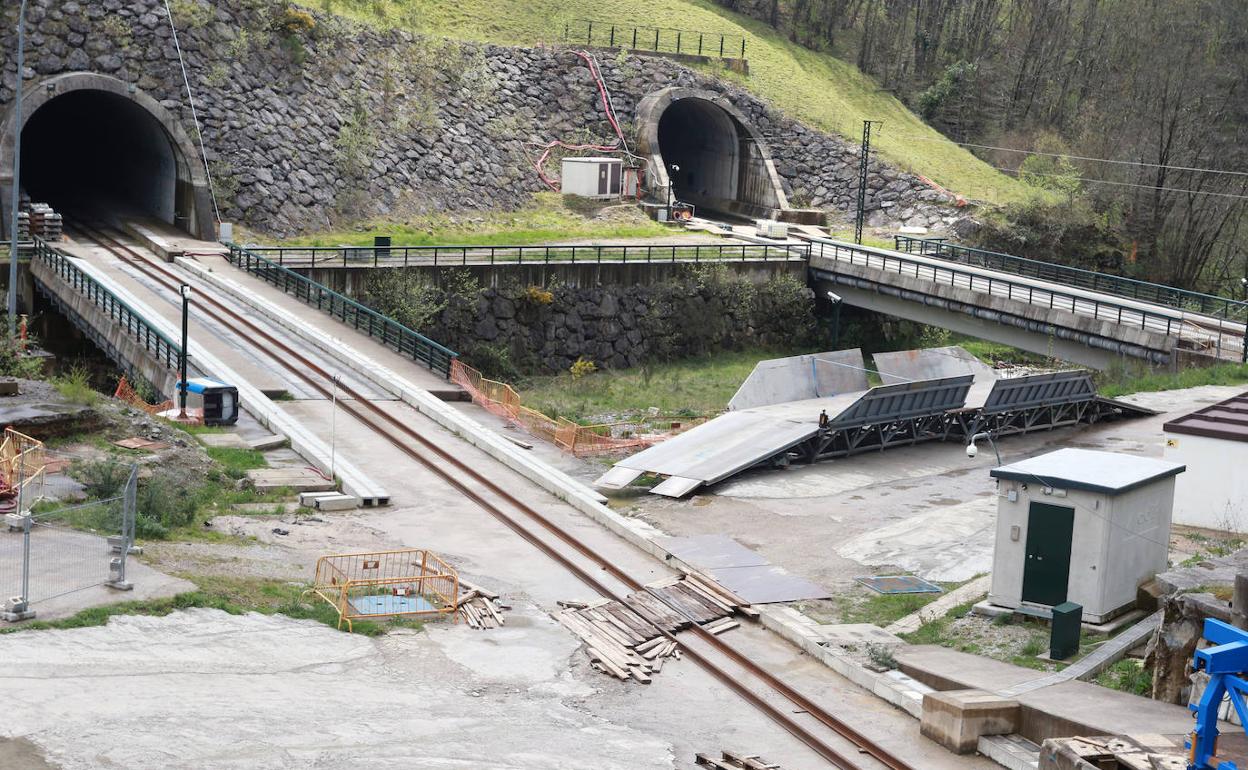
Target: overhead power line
pixel 1089 158
pixel 1128 184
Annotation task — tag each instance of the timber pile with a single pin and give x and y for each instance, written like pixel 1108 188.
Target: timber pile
pixel 629 640
pixel 731 761
pixel 479 607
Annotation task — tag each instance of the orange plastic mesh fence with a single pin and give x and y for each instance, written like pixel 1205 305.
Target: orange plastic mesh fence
pixel 126 392
pixel 501 399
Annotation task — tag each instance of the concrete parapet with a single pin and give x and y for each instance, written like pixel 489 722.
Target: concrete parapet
pixel 957 719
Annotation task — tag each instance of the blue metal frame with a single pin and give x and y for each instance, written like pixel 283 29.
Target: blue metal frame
pixel 1225 663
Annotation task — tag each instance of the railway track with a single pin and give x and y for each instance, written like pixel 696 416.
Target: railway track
pixel 454 471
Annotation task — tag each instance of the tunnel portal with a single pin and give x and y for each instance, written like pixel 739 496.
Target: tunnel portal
pixel 95 147
pixel 705 149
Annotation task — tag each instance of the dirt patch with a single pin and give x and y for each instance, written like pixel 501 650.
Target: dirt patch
pixel 21 753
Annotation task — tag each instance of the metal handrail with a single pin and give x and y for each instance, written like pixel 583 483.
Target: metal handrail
pixel 658 39
pixel 390 333
pixel 450 256
pixel 1171 324
pixel 163 349
pixel 1156 293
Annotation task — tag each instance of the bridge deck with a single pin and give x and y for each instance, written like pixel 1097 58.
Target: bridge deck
pixel 1220 338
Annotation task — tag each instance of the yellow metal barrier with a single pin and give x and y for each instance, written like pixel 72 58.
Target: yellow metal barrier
pixel 387 584
pixel 22 462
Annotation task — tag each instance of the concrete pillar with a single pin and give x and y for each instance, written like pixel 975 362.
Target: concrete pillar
pixel 956 719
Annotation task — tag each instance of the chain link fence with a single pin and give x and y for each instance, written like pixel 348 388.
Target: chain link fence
pixel 52 550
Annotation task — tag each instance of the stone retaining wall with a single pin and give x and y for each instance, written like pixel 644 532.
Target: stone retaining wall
pixel 308 127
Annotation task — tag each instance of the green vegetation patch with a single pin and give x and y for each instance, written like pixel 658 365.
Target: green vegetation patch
pixel 236 596
pixel 690 388
pixel 1121 381
pixel 550 218
pixel 817 88
pixel 1128 676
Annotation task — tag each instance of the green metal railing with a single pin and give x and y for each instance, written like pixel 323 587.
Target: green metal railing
pixel 1214 338
pixel 390 333
pixel 1153 293
pixel 160 347
pixel 595 32
pixel 302 257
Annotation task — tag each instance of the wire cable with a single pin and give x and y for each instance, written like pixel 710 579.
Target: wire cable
pixel 212 193
pixel 1127 184
pixel 1082 157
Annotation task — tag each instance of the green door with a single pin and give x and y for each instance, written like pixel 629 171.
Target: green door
pixel 1046 570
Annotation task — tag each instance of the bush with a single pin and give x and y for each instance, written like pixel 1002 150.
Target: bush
pixel 191 14
pixel 582 369
pixel 75 387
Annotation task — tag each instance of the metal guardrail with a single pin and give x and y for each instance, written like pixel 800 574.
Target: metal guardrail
pixel 390 333
pixel 163 349
pixel 1171 324
pixel 451 256
pixel 594 32
pixel 1155 293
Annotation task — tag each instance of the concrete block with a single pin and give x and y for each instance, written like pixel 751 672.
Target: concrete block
pixel 9 388
pixel 308 499
pixel 957 719
pixel 267 443
pixel 336 503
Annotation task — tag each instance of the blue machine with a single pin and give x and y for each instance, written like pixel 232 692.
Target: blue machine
pixel 1226 663
pixel 218 400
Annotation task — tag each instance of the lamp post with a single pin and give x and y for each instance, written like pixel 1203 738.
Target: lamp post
pixel 972 450
pixel 671 189
pixel 17 167
pixel 185 291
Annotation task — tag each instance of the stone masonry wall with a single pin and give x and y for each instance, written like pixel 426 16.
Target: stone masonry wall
pixel 308 127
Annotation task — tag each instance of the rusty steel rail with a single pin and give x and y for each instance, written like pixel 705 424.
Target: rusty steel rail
pixel 374 417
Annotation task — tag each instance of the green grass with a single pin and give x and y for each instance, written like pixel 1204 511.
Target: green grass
pixel 549 218
pixel 1118 382
pixel 819 89
pixel 1127 676
pixel 236 462
pixel 233 595
pixel 75 387
pixel 690 388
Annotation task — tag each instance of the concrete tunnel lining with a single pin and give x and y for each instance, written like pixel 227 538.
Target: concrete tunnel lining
pixel 93 139
pixel 725 166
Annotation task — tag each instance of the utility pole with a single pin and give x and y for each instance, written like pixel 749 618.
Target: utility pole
pixel 17 167
pixel 185 291
pixel 863 160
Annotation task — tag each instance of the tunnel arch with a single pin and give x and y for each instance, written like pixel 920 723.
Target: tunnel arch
pixel 91 139
pixel 724 163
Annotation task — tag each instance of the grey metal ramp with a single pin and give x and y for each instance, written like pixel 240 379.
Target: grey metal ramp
pixel 1040 390
pixel 904 401
pixel 723 446
pixel 797 378
pixel 768 583
pixel 930 364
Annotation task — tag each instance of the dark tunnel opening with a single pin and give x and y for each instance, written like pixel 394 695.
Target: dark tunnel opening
pixel 713 161
pixel 97 154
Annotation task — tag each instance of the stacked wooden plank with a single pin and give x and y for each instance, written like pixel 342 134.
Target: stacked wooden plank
pixel 479 607
pixel 630 640
pixel 732 761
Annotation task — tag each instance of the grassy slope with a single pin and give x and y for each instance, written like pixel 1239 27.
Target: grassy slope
pixel 818 89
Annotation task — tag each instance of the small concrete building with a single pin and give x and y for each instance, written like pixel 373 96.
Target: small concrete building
pixel 1081 526
pixel 598 178
pixel 1213 443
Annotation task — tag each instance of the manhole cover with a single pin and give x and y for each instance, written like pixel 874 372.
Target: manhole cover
pixel 899 584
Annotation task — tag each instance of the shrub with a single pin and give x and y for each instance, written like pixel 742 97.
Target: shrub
pixel 538 296
pixel 582 369
pixel 191 14
pixel 75 387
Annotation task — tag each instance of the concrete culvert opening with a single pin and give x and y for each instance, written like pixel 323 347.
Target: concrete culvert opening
pixel 711 156
pixel 95 147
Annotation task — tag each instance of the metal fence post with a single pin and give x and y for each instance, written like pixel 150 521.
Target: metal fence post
pixel 18 607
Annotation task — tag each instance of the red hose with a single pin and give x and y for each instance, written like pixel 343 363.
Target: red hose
pixel 550 146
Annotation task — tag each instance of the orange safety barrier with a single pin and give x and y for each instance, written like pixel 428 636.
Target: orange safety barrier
pixel 387 584
pixel 501 399
pixel 126 392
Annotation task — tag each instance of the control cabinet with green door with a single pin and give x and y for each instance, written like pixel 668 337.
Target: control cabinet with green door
pixel 1046 569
